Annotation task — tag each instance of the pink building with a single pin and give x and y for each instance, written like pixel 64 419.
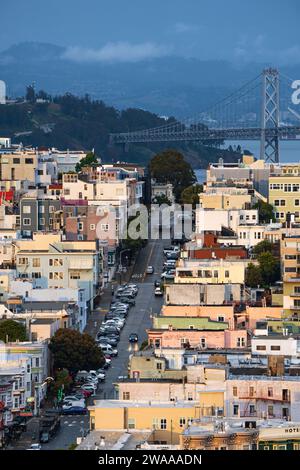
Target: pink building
pixel 204 339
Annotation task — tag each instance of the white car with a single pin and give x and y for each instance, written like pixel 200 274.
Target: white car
pixel 99 375
pixel 68 404
pixel 89 387
pixel 106 348
pixel 72 398
pixel 35 447
pixel 150 270
pixel 158 291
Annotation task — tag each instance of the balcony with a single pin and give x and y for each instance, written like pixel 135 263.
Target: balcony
pixel 286 398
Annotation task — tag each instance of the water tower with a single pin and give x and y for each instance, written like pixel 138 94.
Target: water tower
pixel 2 92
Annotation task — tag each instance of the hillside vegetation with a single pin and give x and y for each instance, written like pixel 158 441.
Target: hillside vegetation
pixel 70 122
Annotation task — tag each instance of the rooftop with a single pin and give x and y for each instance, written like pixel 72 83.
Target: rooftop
pixel 139 404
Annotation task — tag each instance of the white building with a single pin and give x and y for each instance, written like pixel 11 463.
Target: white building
pixel 275 346
pixel 213 220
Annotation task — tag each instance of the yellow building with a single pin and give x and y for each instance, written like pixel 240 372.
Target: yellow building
pixel 290 255
pixel 284 194
pixel 225 199
pixel 18 166
pixel 211 271
pixel 168 418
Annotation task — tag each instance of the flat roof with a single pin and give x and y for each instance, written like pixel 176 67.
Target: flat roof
pixel 140 404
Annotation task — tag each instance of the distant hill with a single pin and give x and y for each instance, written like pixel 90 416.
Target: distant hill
pixel 167 86
pixel 70 122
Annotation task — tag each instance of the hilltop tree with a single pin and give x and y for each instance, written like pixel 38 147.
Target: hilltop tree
pixel 12 331
pixel 253 276
pixel 89 160
pixel 265 212
pixel 170 167
pixel 263 247
pixel 269 268
pixel 190 195
pixel 75 351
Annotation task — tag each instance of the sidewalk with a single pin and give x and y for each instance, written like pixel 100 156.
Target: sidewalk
pixel 30 436
pixel 97 315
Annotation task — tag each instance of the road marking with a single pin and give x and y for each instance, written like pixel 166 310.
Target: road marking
pixel 148 259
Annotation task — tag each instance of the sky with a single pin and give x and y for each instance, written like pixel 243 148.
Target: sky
pixel 132 30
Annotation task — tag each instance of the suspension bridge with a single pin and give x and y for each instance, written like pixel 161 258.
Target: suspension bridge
pixel 250 113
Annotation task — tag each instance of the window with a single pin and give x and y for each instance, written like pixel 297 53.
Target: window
pixel 131 423
pixel 56 262
pixel 240 343
pixel 126 395
pixel 296 202
pixel 36 275
pixel 275 348
pixel 163 423
pixel 282 202
pixel 26 221
pixel 226 273
pixel 16 161
pixel 252 410
pixel 29 161
pixel 157 343
pixel 51 209
pixel 42 221
pixel 92 226
pixel 235 410
pixel 261 348
pixel 221 319
pixel 203 343
pixel 36 262
pixel 22 261
pixel 105 227
pixel 80 226
pixel 251 391
pixel 74 275
pixel 276 202
pixel 234 391
pixel 182 422
pixel 26 209
pixel 270 410
pixel 56 276
pixel 159 366
pixel 270 391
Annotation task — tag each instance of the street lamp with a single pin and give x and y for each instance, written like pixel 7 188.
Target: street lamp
pixel 120 262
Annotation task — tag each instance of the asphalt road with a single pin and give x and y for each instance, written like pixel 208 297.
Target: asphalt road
pixel 138 320
pixel 139 317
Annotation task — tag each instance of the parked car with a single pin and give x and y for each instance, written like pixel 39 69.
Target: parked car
pixel 127 301
pixel 149 270
pixel 156 283
pixel 75 397
pixel 171 249
pixel 174 256
pixel 75 410
pixel 133 338
pixel 89 387
pixel 167 276
pixel 106 339
pixel 35 447
pixel 98 373
pixel 71 403
pixel 158 292
pixel 106 348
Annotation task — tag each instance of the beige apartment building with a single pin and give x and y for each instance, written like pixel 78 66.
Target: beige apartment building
pixel 53 263
pixel 18 166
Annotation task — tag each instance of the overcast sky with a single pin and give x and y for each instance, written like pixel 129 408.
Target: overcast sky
pixel 131 30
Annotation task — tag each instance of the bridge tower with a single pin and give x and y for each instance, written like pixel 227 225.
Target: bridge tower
pixel 269 146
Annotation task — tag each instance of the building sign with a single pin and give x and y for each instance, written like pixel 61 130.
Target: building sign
pixel 283 432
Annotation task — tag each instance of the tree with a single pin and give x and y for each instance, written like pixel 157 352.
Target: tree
pixel 11 331
pixel 89 160
pixel 263 247
pixel 253 276
pixel 75 351
pixel 190 195
pixel 269 268
pixel 265 212
pixel 162 199
pixel 170 167
pixel 62 380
